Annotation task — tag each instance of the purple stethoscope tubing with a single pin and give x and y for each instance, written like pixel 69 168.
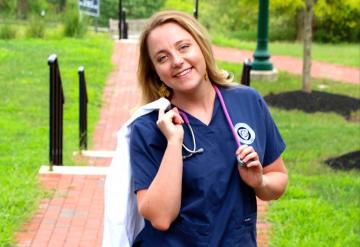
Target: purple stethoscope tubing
pixel 227 116
pixel 228 119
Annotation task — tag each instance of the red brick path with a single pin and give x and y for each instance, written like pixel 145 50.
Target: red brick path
pixel 294 65
pixel 73 215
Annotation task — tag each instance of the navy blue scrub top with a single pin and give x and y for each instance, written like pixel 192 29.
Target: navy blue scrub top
pixel 217 207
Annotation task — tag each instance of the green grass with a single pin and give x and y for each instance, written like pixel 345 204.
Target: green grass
pixel 24 114
pixel 321 206
pixel 342 54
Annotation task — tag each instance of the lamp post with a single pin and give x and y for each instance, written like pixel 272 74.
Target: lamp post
pixel 120 19
pixel 196 10
pixel 261 54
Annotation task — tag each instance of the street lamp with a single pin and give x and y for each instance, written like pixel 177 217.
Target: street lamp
pixel 262 55
pixel 196 10
pixel 120 19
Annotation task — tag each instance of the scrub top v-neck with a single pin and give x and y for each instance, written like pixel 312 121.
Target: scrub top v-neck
pixel 217 207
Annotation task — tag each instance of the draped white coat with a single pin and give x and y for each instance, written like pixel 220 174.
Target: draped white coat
pixel 122 221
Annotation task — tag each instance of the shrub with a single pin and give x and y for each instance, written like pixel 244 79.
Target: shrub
pixel 282 27
pixel 7 32
pixel 36 28
pixel 75 25
pixel 337 21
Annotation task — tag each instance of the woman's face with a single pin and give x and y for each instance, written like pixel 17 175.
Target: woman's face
pixel 177 57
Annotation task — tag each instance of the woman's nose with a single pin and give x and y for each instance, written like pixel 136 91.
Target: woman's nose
pixel 177 60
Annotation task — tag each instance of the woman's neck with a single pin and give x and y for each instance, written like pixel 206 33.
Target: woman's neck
pixel 199 104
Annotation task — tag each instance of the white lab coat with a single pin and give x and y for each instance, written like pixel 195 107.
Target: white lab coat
pixel 122 221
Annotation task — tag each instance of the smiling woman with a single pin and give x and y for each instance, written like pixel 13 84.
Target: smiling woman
pixel 207 199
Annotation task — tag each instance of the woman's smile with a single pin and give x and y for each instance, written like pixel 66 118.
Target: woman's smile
pixel 184 73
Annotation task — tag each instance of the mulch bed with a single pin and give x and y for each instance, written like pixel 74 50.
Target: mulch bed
pixel 345 162
pixel 316 101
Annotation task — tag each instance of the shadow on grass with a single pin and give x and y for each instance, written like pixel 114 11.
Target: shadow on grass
pixel 315 102
pixel 345 106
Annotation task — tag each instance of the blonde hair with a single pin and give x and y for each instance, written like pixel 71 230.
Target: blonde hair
pixel 148 79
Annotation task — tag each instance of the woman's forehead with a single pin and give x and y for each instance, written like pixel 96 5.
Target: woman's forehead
pixel 167 34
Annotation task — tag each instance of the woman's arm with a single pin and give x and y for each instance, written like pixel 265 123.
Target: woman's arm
pixel 269 182
pixel 160 203
pixel 274 181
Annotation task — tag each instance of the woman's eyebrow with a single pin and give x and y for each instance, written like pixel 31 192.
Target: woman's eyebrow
pixel 182 40
pixel 176 43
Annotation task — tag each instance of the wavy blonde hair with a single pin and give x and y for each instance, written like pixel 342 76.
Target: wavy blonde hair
pixel 148 79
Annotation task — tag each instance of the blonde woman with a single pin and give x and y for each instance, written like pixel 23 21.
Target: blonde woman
pixel 198 166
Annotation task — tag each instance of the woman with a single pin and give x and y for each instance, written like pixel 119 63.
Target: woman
pixel 194 185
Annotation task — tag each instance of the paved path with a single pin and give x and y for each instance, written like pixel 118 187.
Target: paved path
pixel 72 216
pixel 294 65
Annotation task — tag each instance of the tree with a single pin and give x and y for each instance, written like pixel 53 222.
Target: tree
pixel 306 82
pixel 22 8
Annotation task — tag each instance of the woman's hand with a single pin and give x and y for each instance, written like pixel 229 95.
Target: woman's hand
pixel 170 124
pixel 269 182
pixel 251 172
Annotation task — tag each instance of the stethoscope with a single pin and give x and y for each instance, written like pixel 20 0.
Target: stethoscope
pixel 195 150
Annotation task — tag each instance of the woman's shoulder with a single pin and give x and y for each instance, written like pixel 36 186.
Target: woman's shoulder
pixel 148 119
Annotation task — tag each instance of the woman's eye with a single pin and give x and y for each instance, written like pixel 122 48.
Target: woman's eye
pixel 161 59
pixel 184 46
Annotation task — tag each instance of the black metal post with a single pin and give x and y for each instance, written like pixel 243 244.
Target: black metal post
pixel 57 101
pixel 125 25
pixel 245 75
pixel 120 19
pixel 83 100
pixel 196 10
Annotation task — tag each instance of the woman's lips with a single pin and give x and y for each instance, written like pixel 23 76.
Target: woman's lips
pixel 183 73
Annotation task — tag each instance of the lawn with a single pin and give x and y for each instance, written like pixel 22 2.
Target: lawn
pixel 24 114
pixel 342 54
pixel 321 206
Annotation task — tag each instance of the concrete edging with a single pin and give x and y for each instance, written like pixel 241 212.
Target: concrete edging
pixel 74 170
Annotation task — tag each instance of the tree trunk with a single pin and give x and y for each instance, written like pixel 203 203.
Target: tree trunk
pixel 300 15
pixel 22 8
pixel 306 82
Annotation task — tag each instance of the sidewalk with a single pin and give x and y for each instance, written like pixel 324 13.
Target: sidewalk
pixel 294 65
pixel 73 215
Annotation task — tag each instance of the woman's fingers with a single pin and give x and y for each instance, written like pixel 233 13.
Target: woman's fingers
pixel 244 150
pixel 253 163
pixel 165 116
pixel 177 119
pixel 170 123
pixel 246 155
pixel 250 156
pixel 161 116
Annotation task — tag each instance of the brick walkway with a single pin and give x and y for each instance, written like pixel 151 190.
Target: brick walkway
pixel 73 215
pixel 294 65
